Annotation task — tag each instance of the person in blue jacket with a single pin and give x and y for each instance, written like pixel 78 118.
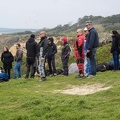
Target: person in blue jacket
pixel 92 42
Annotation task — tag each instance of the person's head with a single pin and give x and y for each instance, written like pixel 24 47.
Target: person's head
pixel 5 49
pixel 114 32
pixel 18 46
pixel 89 24
pixel 86 32
pixel 50 40
pixel 64 40
pixel 32 36
pixel 43 34
pixel 79 32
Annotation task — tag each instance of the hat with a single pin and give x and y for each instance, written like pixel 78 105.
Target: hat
pixel 90 22
pixel 85 29
pixel 64 39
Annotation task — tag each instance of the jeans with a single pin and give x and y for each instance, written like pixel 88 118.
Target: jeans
pixel 87 67
pixel 93 61
pixel 17 70
pixel 116 60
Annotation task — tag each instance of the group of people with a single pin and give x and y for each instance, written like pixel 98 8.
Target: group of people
pixel 85 47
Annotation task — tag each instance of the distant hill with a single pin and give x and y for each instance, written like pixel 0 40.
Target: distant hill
pixel 107 23
pixel 11 30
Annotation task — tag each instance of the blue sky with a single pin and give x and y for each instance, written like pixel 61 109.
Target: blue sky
pixel 50 13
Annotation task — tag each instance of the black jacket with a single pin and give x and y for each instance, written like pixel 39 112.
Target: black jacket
pixel 114 46
pixel 31 47
pixel 65 51
pixel 52 50
pixel 92 40
pixel 7 59
pixel 43 43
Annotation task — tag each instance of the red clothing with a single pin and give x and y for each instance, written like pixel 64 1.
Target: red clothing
pixel 79 52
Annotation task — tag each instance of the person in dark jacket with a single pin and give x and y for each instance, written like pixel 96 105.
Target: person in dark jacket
pixel 65 55
pixel 92 43
pixel 7 59
pixel 31 47
pixel 18 62
pixel 115 48
pixel 52 50
pixel 42 52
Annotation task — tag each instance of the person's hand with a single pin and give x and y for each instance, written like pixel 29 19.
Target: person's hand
pixel 88 51
pixel 42 59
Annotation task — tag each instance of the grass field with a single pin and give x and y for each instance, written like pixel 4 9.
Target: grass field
pixel 30 99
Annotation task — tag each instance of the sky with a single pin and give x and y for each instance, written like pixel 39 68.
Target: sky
pixel 40 14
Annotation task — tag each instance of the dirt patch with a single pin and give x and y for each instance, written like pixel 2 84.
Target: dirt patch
pixel 84 90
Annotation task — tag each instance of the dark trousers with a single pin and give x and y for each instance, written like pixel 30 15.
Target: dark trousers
pixel 51 64
pixel 93 62
pixel 116 60
pixel 65 65
pixel 7 71
pixel 30 69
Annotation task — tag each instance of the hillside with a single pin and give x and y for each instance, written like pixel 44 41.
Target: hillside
pixel 62 98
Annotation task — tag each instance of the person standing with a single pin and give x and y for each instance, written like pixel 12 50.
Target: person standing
pixel 18 61
pixel 79 52
pixel 115 49
pixel 42 52
pixel 7 59
pixel 92 43
pixel 31 47
pixel 65 55
pixel 87 69
pixel 52 50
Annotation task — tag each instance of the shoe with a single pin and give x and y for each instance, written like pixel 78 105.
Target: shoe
pixel 79 76
pixel 51 75
pixel 43 79
pixel 55 74
pixel 90 76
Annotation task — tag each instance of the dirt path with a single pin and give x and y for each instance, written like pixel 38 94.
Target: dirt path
pixel 84 90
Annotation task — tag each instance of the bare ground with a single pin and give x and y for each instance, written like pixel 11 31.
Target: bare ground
pixel 84 90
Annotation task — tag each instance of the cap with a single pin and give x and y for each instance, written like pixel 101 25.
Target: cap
pixel 85 29
pixel 89 21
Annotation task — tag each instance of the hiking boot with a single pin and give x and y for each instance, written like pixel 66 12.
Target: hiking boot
pixel 43 79
pixel 79 76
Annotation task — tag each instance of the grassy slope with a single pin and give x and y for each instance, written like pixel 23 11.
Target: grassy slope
pixel 33 100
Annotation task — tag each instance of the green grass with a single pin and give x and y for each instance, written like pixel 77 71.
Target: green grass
pixel 34 100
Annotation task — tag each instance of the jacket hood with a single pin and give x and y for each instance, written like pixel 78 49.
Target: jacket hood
pixel 31 40
pixel 51 40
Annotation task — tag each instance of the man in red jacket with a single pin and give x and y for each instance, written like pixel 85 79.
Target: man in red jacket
pixel 79 52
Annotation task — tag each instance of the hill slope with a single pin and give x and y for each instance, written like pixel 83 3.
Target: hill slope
pixel 33 100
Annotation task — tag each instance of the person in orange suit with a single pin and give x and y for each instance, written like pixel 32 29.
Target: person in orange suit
pixel 79 52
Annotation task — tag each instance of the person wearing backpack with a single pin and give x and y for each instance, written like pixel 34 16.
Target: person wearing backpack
pixel 65 55
pixel 7 59
pixel 115 49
